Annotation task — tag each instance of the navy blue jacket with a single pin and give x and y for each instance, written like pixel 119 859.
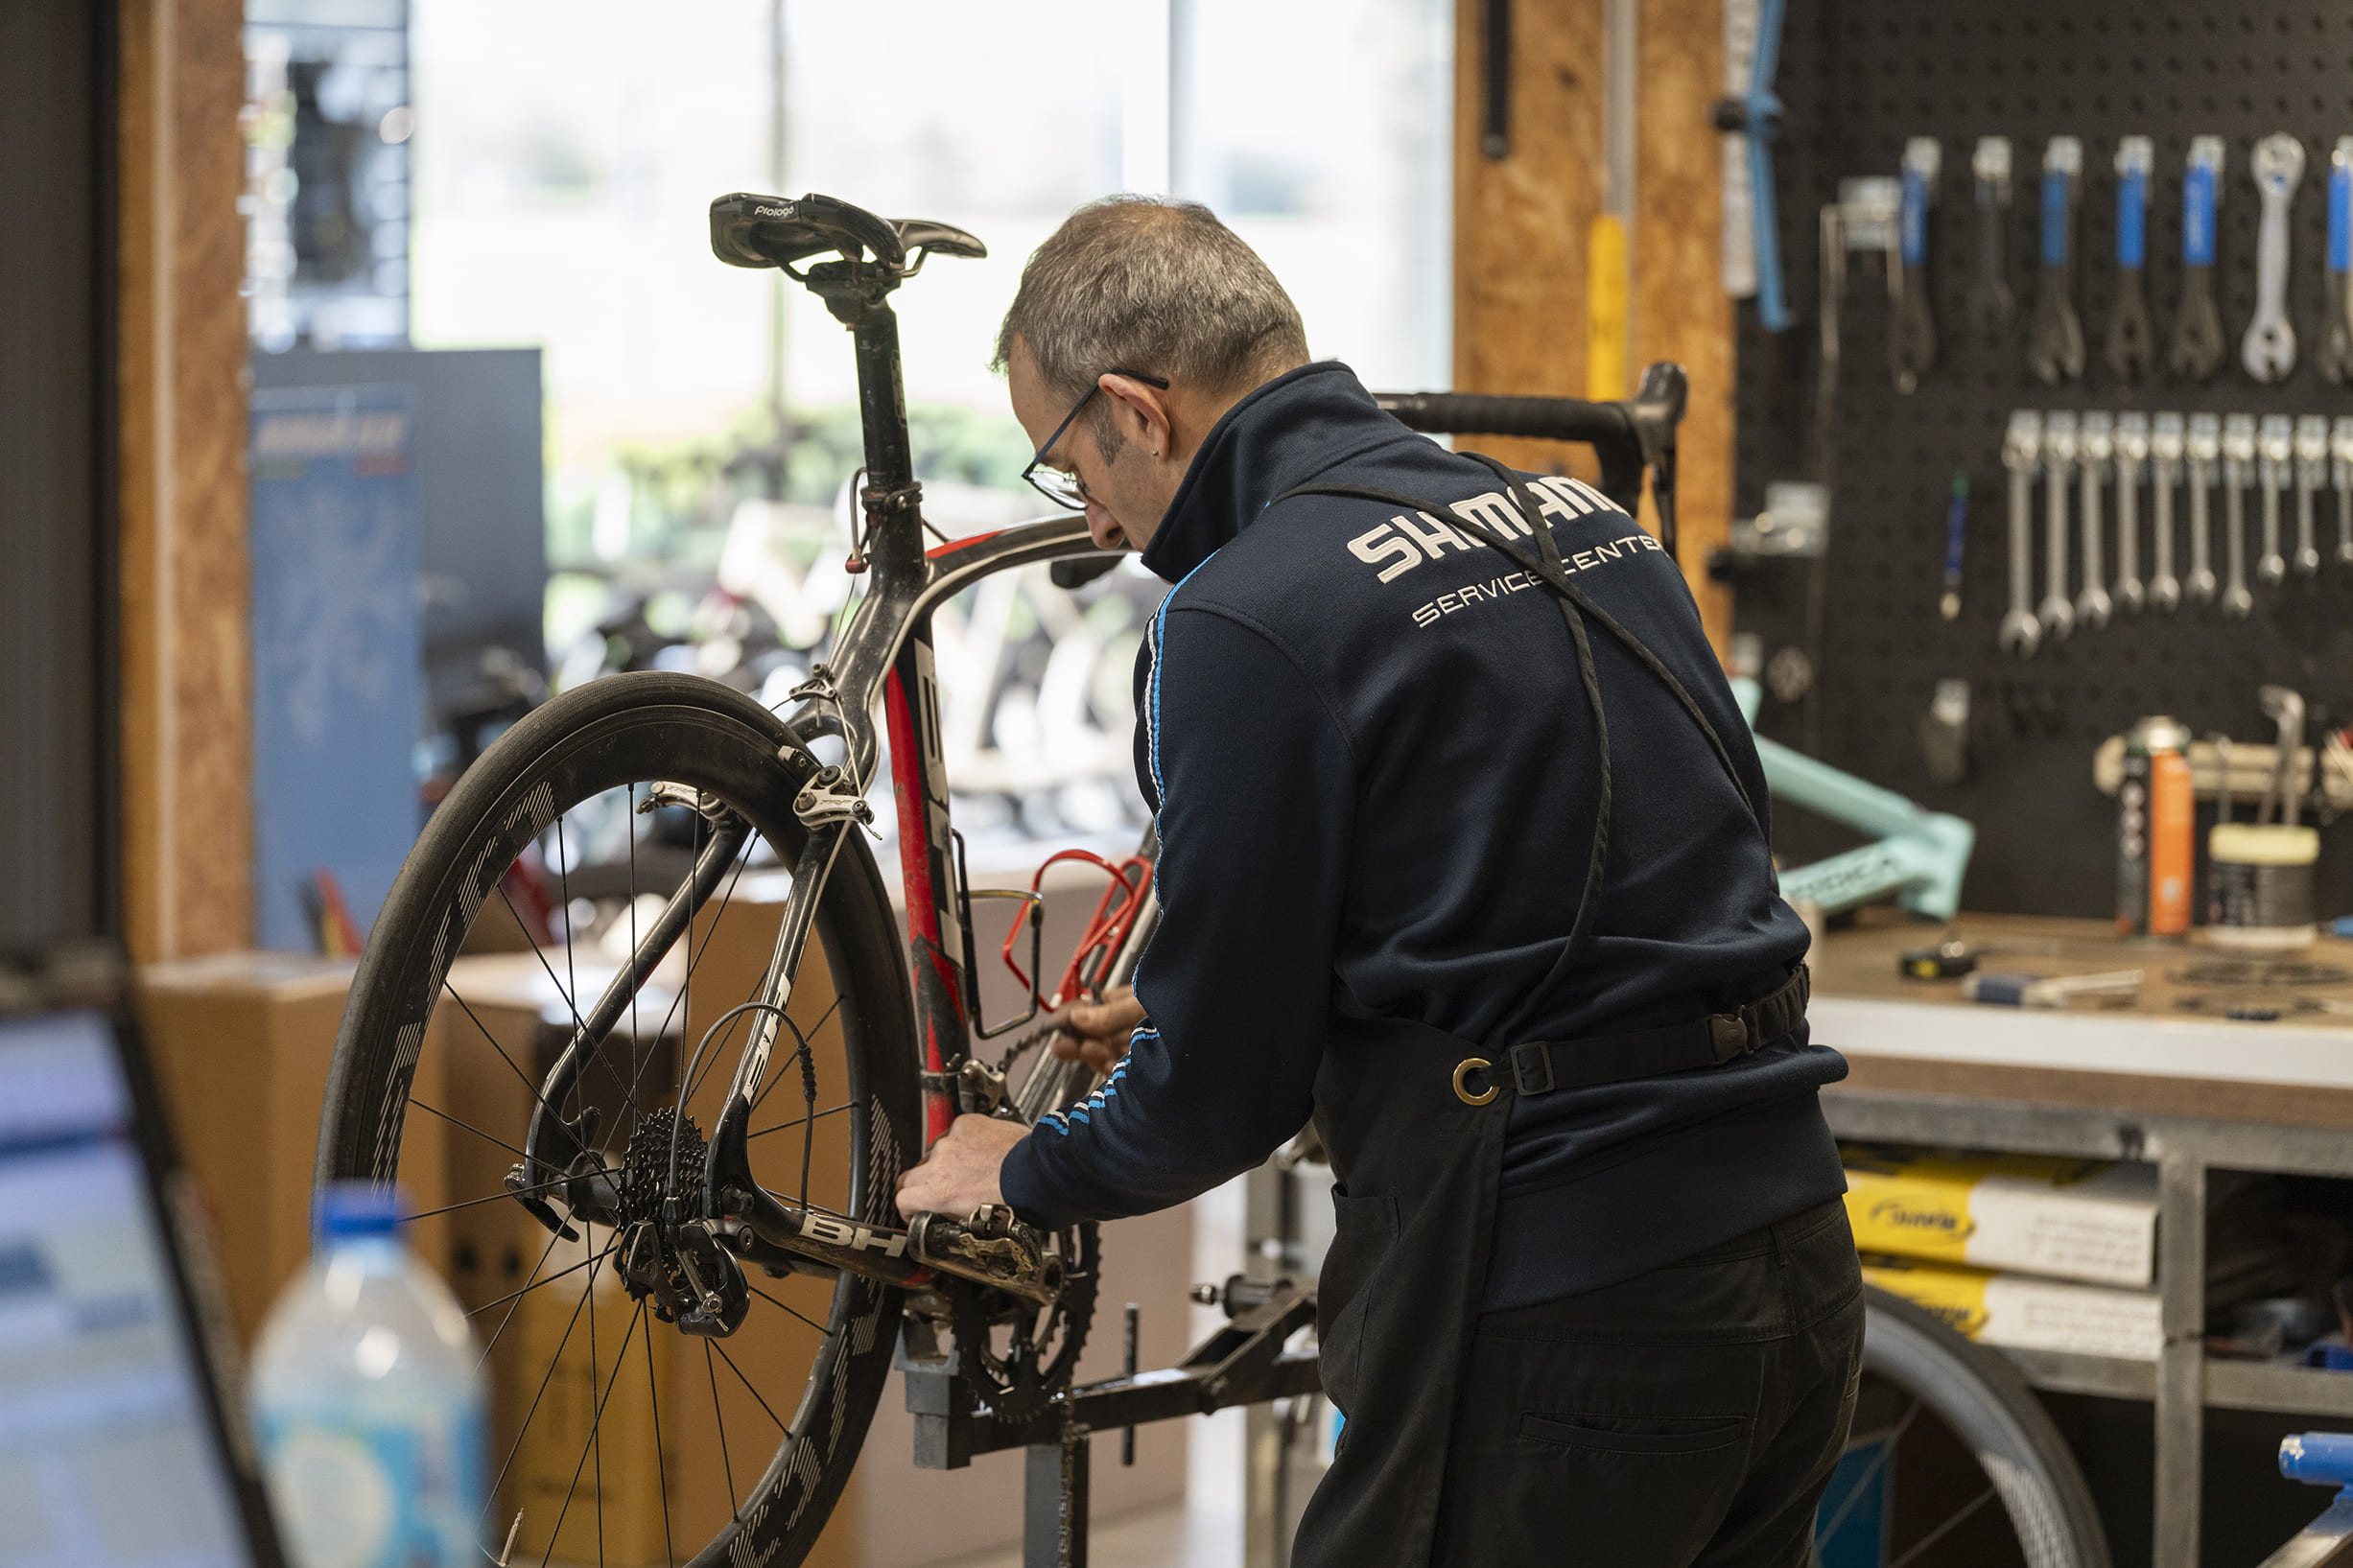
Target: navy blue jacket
pixel 1374 771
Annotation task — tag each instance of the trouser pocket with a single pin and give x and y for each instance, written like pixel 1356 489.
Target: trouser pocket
pixel 1363 1246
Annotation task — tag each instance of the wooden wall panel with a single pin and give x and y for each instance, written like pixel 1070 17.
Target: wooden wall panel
pixel 1521 226
pixel 185 695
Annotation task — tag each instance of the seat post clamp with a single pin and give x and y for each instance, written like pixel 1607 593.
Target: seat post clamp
pixel 1532 1067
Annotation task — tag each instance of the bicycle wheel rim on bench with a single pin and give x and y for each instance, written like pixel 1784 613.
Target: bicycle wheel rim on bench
pixel 555 775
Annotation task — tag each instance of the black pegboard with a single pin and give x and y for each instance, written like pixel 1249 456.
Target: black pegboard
pixel 1858 77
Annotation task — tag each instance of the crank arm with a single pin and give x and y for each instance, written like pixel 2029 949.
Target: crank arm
pixel 991 1248
pixel 554 1144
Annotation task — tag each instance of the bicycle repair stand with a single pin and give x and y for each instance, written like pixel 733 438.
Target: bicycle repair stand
pixel 1242 1364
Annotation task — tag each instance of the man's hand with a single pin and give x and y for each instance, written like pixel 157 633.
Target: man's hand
pixel 959 1174
pixel 1096 1033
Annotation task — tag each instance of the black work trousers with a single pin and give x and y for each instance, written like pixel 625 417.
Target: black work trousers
pixel 1689 1416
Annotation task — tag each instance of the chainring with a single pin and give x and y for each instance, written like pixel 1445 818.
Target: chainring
pixel 1040 1347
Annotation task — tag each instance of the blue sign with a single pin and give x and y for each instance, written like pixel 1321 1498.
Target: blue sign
pixel 338 665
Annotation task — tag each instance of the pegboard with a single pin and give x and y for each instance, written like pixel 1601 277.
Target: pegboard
pixel 1859 77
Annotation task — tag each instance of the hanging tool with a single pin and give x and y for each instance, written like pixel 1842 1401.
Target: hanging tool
pixel 2131 452
pixel 2164 472
pixel 2054 339
pixel 1956 531
pixel 1752 262
pixel 2284 707
pixel 2093 449
pixel 2275 442
pixel 2311 473
pixel 1912 331
pixel 2058 446
pixel 2132 339
pixel 1992 305
pixel 1496 139
pixel 2021 450
pixel 2340 480
pixel 2268 348
pixel 2336 355
pixel 2196 350
pixel 2010 990
pixel 2204 446
pixel 2238 454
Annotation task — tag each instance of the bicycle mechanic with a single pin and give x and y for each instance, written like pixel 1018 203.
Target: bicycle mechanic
pixel 1488 898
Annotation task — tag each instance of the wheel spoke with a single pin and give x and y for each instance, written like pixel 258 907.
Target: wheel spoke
pixel 1946 1527
pixel 1870 1472
pixel 747 1383
pixel 769 1087
pixel 726 1465
pixel 541 1285
pixel 661 1473
pixel 788 1126
pixel 516 1447
pixel 536 1096
pixel 419 1105
pixel 596 1427
pixel 772 1300
pixel 517 1300
pixel 492 1197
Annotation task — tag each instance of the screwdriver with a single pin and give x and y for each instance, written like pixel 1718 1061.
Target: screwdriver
pixel 2012 990
pixel 1956 528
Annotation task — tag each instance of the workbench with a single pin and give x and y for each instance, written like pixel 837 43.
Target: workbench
pixel 2164 1077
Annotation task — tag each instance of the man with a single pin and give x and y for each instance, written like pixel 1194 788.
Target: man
pixel 1463 852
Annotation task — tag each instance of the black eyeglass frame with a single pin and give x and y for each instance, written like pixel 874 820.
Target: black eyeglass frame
pixel 1075 497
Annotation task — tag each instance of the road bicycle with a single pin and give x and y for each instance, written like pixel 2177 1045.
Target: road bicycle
pixel 763 1280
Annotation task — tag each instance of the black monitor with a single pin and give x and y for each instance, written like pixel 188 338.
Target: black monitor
pixel 121 1441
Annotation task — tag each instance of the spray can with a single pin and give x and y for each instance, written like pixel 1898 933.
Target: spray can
pixel 2155 835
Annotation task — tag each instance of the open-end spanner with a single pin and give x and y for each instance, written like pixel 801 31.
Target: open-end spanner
pixel 2340 480
pixel 2276 446
pixel 2238 464
pixel 1911 335
pixel 2336 353
pixel 2165 445
pixel 2131 345
pixel 2131 452
pixel 2311 473
pixel 2203 445
pixel 2021 449
pixel 2195 351
pixel 1992 305
pixel 2055 337
pixel 2268 348
pixel 2058 440
pixel 2094 446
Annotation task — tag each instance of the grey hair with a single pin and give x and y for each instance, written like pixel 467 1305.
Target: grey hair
pixel 1152 285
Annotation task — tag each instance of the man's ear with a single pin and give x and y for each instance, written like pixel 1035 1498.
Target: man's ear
pixel 1139 413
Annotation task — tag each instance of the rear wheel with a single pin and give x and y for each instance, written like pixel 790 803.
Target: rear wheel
pixel 616 1434
pixel 1952 1461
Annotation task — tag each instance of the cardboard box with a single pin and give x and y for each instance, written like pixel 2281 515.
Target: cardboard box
pixel 241 1043
pixel 2070 1219
pixel 2022 1312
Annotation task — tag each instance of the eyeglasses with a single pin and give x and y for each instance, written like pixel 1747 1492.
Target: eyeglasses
pixel 1068 490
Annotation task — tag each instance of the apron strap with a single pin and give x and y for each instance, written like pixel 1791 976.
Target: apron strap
pixel 1539 1066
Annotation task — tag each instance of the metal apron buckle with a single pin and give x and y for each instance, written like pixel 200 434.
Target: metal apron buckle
pixel 1463 1070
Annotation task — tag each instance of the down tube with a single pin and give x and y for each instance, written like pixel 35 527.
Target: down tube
pixel 936 929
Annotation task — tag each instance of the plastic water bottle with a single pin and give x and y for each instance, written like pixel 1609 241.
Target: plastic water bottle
pixel 370 1401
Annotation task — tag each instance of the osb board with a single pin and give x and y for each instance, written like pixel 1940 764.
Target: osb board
pixel 180 381
pixel 1521 226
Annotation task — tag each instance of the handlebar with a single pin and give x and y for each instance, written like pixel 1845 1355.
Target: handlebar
pixel 1628 435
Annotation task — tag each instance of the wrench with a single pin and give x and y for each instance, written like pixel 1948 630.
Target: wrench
pixel 2059 438
pixel 2275 440
pixel 2021 447
pixel 2311 473
pixel 2092 606
pixel 2055 337
pixel 2237 451
pixel 2336 356
pixel 2131 452
pixel 2204 445
pixel 2131 341
pixel 2268 349
pixel 2341 476
pixel 1911 335
pixel 1991 304
pixel 2196 349
pixel 2165 471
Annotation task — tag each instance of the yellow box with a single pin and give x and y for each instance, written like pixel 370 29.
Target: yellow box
pixel 2022 1312
pixel 2070 1219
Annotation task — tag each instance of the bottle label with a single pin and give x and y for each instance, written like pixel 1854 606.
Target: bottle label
pixel 349 1492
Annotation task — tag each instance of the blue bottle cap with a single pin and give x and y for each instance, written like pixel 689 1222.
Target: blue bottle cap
pixel 357 1209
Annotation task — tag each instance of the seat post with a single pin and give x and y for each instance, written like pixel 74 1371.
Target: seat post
pixel 882 396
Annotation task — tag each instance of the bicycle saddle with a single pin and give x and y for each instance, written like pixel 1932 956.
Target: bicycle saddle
pixel 748 230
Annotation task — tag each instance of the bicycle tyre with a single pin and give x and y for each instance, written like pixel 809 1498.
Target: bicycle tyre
pixel 685 730
pixel 1984 1403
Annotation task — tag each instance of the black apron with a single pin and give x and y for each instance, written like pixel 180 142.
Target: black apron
pixel 1414 1118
